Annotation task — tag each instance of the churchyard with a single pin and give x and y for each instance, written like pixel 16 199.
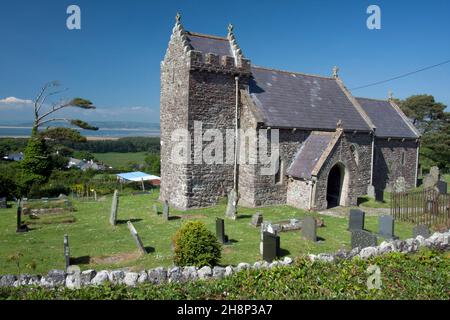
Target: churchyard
pixel 98 243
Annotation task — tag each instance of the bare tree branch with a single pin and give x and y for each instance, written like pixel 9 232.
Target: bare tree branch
pixel 49 95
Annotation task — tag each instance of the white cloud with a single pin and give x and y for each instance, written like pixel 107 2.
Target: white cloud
pixel 14 100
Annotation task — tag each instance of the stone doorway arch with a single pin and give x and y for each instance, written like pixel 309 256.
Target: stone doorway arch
pixel 337 186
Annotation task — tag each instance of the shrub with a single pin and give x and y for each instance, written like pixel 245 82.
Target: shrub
pixel 195 245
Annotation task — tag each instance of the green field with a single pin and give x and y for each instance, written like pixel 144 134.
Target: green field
pixel 119 160
pixel 94 243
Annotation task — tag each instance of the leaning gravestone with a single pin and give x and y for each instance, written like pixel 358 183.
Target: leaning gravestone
pixel 362 239
pixel 220 231
pixel 257 219
pixel 386 227
pixel 232 205
pixel 442 187
pixel 309 228
pixel 66 251
pixel 421 230
pixel 271 246
pixel 400 185
pixel 166 210
pixel 136 237
pixel 356 220
pixel 155 209
pixel 114 208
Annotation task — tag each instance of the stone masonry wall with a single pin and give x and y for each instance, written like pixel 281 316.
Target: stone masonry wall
pixel 388 164
pixel 173 115
pixel 298 194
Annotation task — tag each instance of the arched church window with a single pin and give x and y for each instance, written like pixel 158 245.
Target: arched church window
pixel 354 151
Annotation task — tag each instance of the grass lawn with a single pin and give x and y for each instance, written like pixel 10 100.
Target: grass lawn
pixel 94 243
pixel 121 160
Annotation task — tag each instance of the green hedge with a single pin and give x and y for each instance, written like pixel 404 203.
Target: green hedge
pixel 421 276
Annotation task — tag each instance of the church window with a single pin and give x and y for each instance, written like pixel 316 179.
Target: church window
pixel 354 151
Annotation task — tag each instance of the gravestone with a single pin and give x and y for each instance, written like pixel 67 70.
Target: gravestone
pixel 66 251
pixel 386 227
pixel 220 231
pixel 309 228
pixel 421 230
pixel 400 185
pixel 136 237
pixel 371 191
pixel 356 220
pixel 442 187
pixel 20 227
pixel 257 219
pixel 379 195
pixel 3 203
pixel 271 246
pixel 232 205
pixel 166 210
pixel 431 180
pixel 114 208
pixel 155 209
pixel 363 239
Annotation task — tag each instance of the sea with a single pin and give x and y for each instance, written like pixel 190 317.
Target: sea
pixel 102 133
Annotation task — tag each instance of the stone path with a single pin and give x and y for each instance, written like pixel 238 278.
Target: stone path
pixel 343 212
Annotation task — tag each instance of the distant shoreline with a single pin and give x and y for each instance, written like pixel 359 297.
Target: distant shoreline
pixel 91 138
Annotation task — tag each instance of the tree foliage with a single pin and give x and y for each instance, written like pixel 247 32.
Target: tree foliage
pixel 431 119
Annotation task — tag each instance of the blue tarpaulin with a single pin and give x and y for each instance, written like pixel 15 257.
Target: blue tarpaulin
pixel 137 176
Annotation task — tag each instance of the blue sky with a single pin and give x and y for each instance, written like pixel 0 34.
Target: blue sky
pixel 114 59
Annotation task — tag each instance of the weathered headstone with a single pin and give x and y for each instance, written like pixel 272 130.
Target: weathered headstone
pixel 421 230
pixel 136 237
pixel 232 205
pixel 400 185
pixel 363 239
pixel 166 210
pixel 356 220
pixel 386 227
pixel 371 191
pixel 442 187
pixel 309 228
pixel 3 203
pixel 114 208
pixel 66 251
pixel 271 246
pixel 257 219
pixel 431 180
pixel 155 209
pixel 20 227
pixel 220 231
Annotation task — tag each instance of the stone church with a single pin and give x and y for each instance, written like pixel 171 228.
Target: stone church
pixel 332 145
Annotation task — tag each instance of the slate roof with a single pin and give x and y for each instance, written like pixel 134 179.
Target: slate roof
pixel 294 100
pixel 309 154
pixel 388 121
pixel 209 44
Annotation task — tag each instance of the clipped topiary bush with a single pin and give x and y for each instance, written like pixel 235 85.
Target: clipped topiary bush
pixel 195 245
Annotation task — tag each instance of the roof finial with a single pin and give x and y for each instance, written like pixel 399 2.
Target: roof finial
pixel 335 72
pixel 178 18
pixel 390 95
pixel 339 125
pixel 230 28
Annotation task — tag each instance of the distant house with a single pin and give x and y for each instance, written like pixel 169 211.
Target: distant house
pixel 84 165
pixel 16 156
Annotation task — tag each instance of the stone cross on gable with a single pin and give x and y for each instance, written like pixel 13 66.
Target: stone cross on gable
pixel 390 95
pixel 178 17
pixel 335 72
pixel 339 125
